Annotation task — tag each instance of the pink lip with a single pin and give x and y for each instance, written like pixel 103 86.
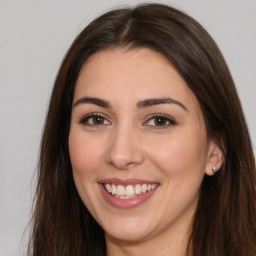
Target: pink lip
pixel 126 203
pixel 126 182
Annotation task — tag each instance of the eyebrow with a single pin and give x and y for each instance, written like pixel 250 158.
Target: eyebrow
pixel 141 104
pixel 91 100
pixel 158 101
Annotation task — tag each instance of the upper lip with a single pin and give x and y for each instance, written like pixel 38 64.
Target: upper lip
pixel 126 181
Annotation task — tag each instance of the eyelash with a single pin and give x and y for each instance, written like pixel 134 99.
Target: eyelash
pixel 85 120
pixel 164 118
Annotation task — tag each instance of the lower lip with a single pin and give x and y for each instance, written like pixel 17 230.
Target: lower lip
pixel 126 203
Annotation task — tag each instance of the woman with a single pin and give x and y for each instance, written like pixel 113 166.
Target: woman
pixel 145 148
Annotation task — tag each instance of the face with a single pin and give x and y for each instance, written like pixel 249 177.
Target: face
pixel 138 145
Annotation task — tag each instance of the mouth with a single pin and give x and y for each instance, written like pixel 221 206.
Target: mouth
pixel 127 193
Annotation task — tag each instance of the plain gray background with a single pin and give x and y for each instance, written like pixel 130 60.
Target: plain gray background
pixel 34 36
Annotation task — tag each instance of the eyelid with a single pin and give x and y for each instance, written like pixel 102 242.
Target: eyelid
pixel 169 119
pixel 91 115
pixel 164 116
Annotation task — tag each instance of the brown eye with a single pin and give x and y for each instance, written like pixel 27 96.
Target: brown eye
pixel 160 121
pixel 98 120
pixel 95 120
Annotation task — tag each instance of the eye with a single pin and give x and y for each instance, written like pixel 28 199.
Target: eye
pixel 160 121
pixel 94 119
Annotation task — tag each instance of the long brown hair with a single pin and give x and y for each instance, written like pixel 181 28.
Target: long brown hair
pixel 225 220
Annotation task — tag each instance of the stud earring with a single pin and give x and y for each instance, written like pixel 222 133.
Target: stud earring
pixel 214 169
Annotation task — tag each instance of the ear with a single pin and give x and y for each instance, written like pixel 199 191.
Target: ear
pixel 215 157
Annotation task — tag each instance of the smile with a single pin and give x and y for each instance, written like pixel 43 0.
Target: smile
pixel 129 191
pixel 127 194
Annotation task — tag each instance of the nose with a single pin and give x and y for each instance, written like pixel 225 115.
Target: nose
pixel 124 149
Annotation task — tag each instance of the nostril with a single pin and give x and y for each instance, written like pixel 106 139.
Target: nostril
pixel 124 160
pixel 123 165
pixel 124 150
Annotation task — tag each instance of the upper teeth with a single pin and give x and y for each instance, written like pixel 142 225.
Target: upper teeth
pixel 126 192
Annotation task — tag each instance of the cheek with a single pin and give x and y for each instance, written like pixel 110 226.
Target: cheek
pixel 179 153
pixel 84 154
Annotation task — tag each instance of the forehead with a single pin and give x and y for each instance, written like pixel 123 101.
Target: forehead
pixel 121 74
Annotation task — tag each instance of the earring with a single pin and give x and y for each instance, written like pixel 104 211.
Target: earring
pixel 214 169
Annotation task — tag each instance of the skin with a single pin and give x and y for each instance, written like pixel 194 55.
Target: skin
pixel 129 143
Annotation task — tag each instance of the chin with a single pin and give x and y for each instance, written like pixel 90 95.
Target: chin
pixel 129 230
